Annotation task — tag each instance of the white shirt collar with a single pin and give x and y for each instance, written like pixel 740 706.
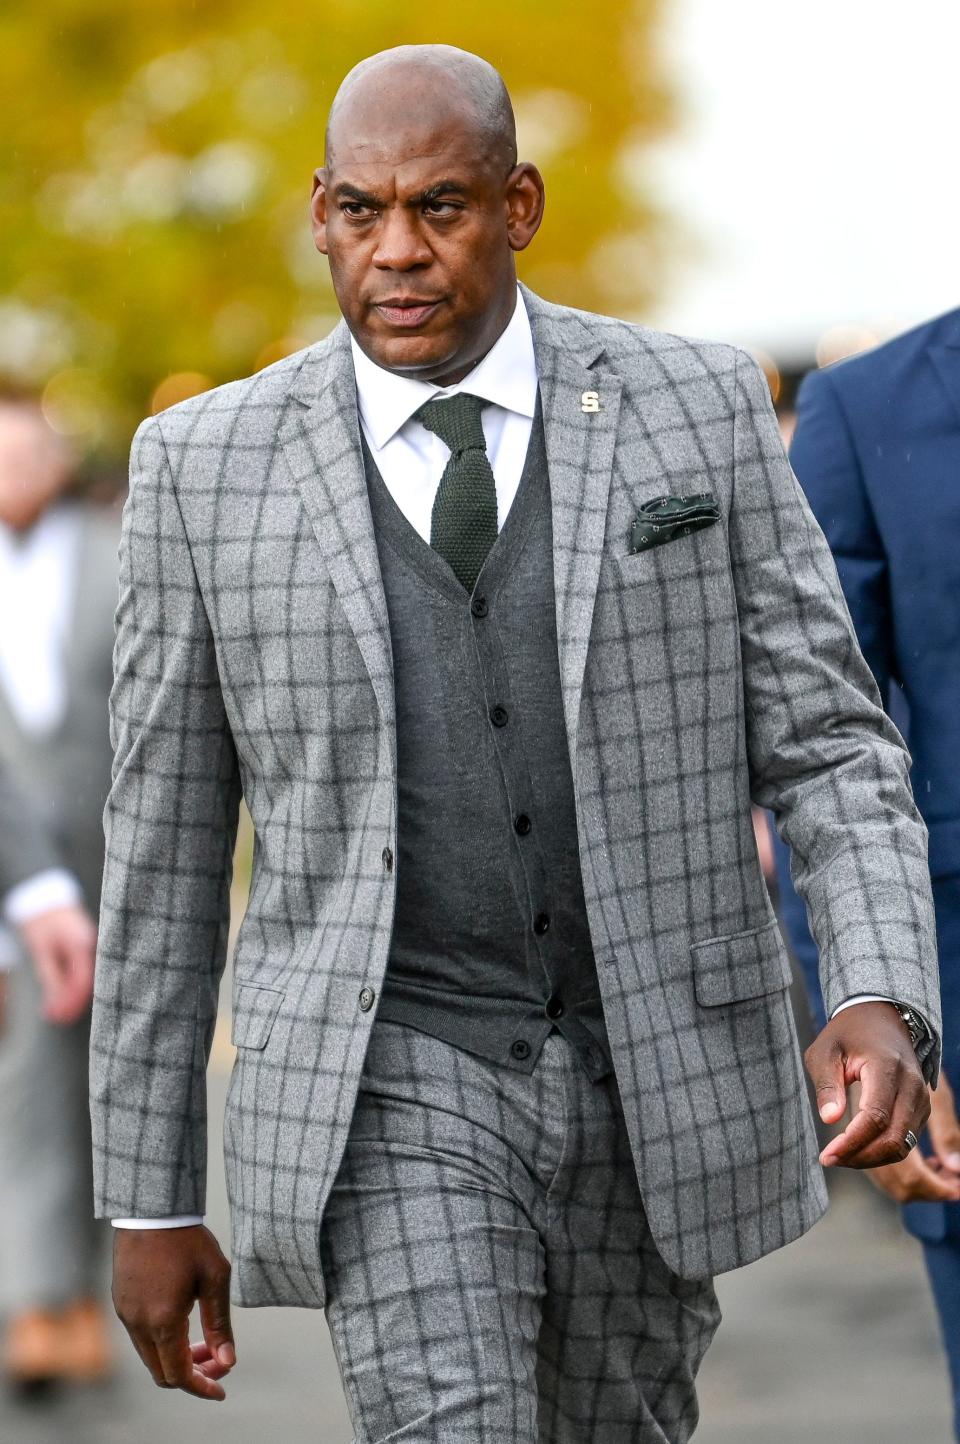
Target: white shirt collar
pixel 507 376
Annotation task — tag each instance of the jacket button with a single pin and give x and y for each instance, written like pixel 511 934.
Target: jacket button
pixel 520 1049
pixel 540 923
pixel 367 995
pixel 387 856
pixel 479 606
pixel 553 1007
pixel 498 716
pixel 522 823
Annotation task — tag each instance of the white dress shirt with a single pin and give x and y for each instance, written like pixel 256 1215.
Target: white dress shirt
pixel 37 581
pixel 412 459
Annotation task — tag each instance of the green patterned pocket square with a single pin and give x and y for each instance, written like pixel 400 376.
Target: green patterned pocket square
pixel 667 518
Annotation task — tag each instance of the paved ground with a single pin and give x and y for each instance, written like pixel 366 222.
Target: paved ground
pixel 833 1337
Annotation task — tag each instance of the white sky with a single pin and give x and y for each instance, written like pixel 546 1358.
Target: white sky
pixel 817 166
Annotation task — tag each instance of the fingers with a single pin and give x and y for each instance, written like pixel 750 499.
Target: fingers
pixel 206 1362
pixel 166 1352
pixel 825 1064
pixel 177 1363
pixel 62 944
pixel 944 1128
pixel 893 1101
pixel 214 1302
pixel 916 1180
pixel 75 966
pixel 942 1185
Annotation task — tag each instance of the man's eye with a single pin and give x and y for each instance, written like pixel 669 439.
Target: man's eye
pixel 440 208
pixel 354 209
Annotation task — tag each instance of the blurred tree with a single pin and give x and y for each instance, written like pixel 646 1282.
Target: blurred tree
pixel 155 211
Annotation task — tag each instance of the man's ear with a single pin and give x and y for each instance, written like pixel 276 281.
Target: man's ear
pixel 525 200
pixel 318 210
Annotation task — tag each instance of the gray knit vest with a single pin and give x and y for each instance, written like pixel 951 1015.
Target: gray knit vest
pixel 490 947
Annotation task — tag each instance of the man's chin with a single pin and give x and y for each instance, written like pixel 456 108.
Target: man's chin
pixel 420 357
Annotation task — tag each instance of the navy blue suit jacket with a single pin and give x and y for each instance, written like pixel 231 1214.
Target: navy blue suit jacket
pixel 877 451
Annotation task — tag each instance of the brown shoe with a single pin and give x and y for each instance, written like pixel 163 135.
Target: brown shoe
pixel 87 1353
pixel 33 1349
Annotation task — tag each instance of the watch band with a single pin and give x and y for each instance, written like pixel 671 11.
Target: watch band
pixel 916 1027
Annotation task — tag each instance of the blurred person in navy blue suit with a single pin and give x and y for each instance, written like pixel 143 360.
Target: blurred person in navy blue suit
pixel 877 451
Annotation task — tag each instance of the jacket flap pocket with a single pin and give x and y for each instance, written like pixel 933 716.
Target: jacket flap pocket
pixel 741 966
pixel 254 1010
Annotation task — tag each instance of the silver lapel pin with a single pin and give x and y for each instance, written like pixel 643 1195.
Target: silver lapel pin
pixel 590 401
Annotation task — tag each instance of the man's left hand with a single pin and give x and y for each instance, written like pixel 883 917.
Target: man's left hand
pixel 868 1043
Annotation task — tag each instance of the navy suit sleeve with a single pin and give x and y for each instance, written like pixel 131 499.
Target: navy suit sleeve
pixel 826 464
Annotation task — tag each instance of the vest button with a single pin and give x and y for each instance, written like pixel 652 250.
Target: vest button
pixel 540 923
pixel 520 1049
pixel 479 607
pixel 498 716
pixel 522 823
pixel 553 1007
pixel 367 996
pixel 387 857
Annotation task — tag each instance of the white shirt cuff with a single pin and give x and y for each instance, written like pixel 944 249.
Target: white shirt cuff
pixel 861 998
pixel 52 888
pixel 180 1220
pixel 877 998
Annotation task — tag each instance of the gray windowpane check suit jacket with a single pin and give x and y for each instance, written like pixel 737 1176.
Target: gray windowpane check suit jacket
pixel 253 653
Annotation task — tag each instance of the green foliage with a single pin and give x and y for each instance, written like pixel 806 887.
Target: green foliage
pixel 155 211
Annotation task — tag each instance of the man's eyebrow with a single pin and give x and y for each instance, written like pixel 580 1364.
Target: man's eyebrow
pixel 440 188
pixel 343 189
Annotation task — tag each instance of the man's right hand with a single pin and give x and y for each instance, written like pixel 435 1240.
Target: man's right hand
pixel 158 1275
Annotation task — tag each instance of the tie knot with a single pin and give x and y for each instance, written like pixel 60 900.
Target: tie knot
pixel 456 420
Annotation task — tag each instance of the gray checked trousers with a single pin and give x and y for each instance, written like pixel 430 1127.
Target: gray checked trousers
pixel 491 1277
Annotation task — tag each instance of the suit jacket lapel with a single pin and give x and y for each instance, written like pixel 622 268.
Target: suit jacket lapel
pixel 580 447
pixel 321 444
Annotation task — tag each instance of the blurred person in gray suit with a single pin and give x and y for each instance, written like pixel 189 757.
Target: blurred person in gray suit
pixel 42 903
pixel 58 563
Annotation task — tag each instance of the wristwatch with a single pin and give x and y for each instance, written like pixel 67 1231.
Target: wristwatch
pixel 916 1027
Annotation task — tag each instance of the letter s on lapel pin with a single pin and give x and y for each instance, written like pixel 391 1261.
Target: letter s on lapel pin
pixel 667 518
pixel 590 401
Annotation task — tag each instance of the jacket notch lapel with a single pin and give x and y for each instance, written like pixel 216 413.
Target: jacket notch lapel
pixel 580 443
pixel 321 445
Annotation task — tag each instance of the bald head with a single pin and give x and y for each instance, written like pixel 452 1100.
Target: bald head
pixel 421 207
pixel 428 81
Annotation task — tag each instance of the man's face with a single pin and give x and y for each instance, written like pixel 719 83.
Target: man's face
pixel 420 227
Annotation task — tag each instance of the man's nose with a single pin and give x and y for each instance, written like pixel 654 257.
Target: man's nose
pixel 401 245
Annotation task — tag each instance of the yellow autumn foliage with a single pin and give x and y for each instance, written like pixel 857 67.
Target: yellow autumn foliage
pixel 154 207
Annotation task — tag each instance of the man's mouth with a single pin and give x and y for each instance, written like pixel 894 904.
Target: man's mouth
pixel 405 313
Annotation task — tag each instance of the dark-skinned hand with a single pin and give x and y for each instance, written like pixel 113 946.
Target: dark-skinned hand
pixel 868 1043
pixel 158 1275
pixel 928 1178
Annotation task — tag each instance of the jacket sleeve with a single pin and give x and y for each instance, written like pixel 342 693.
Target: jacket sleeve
pixel 25 848
pixel 825 461
pixel 823 755
pixel 170 824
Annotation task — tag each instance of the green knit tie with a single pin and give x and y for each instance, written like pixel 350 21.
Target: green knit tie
pixel 463 524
